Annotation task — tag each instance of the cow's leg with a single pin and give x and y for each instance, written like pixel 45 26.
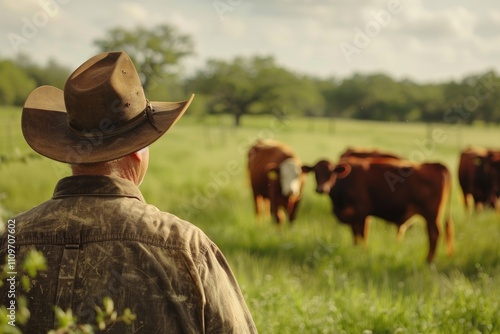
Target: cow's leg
pixel 401 232
pixel 360 230
pixel 496 205
pixel 366 229
pixel 433 227
pixel 292 209
pixel 258 201
pixel 479 206
pixel 493 202
pixel 405 222
pixel 356 233
pixel 266 208
pixel 276 213
pixel 468 202
pixel 281 216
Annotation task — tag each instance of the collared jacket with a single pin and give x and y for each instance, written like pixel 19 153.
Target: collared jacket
pixel 101 239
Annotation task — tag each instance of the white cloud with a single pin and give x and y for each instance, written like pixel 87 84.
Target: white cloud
pixel 133 12
pixel 454 22
pixel 424 40
pixel 19 7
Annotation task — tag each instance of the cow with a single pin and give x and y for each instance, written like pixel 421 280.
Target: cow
pixel 391 189
pixel 479 178
pixel 322 184
pixel 276 179
pixel 491 170
pixel 361 152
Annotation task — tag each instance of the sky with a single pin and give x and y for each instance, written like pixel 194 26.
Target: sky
pixel 424 41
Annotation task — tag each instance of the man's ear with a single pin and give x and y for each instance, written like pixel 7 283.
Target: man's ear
pixel 139 155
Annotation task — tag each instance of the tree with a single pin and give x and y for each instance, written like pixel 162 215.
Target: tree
pixel 52 73
pixel 476 97
pixel 15 84
pixel 425 102
pixel 255 85
pixel 155 52
pixel 351 96
pixel 327 88
pixel 373 97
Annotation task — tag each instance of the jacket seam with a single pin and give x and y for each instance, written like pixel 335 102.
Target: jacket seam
pixel 37 240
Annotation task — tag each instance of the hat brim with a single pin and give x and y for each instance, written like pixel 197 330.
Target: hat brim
pixel 44 124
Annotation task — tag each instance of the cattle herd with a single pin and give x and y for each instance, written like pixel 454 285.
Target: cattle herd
pixel 365 183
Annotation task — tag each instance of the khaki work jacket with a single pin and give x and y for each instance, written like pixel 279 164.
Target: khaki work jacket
pixel 100 239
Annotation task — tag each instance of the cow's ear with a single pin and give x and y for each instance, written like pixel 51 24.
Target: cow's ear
pixel 342 170
pixel 306 169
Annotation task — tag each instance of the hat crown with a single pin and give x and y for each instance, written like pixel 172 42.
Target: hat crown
pixel 101 115
pixel 104 94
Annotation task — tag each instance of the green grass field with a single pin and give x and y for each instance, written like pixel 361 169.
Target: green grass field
pixel 309 277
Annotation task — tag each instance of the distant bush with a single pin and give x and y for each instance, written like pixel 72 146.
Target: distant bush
pixel 15 84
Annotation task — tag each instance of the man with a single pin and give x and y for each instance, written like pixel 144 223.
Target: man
pixel 99 236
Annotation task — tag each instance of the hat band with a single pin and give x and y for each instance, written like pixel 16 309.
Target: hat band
pixel 143 116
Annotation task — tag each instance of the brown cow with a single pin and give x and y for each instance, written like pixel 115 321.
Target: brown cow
pixel 322 184
pixel 491 169
pixel 479 177
pixel 276 179
pixel 394 190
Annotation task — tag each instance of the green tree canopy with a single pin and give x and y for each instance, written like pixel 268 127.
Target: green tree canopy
pixel 52 73
pixel 374 97
pixel 15 83
pixel 475 97
pixel 255 85
pixel 258 85
pixel 156 52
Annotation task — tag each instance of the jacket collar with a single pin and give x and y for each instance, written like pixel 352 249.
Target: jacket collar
pixel 96 185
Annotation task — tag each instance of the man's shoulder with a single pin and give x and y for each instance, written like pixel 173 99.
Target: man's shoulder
pixel 167 224
pixel 124 218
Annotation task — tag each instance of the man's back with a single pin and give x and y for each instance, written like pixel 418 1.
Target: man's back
pixel 101 239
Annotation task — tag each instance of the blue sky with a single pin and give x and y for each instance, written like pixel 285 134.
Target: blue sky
pixel 420 40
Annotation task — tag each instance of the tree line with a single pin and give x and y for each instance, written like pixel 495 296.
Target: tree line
pixel 258 85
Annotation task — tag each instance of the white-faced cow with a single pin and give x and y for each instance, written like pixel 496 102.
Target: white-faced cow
pixel 391 189
pixel 276 178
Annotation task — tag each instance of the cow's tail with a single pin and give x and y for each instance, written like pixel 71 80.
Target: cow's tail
pixel 446 201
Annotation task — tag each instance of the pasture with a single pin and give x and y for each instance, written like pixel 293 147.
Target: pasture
pixel 309 277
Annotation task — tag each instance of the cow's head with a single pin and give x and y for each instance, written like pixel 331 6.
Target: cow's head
pixel 326 173
pixel 290 177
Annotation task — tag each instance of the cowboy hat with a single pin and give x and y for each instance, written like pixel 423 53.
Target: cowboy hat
pixel 101 115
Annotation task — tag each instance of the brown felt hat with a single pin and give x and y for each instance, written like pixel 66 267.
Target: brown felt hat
pixel 101 115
